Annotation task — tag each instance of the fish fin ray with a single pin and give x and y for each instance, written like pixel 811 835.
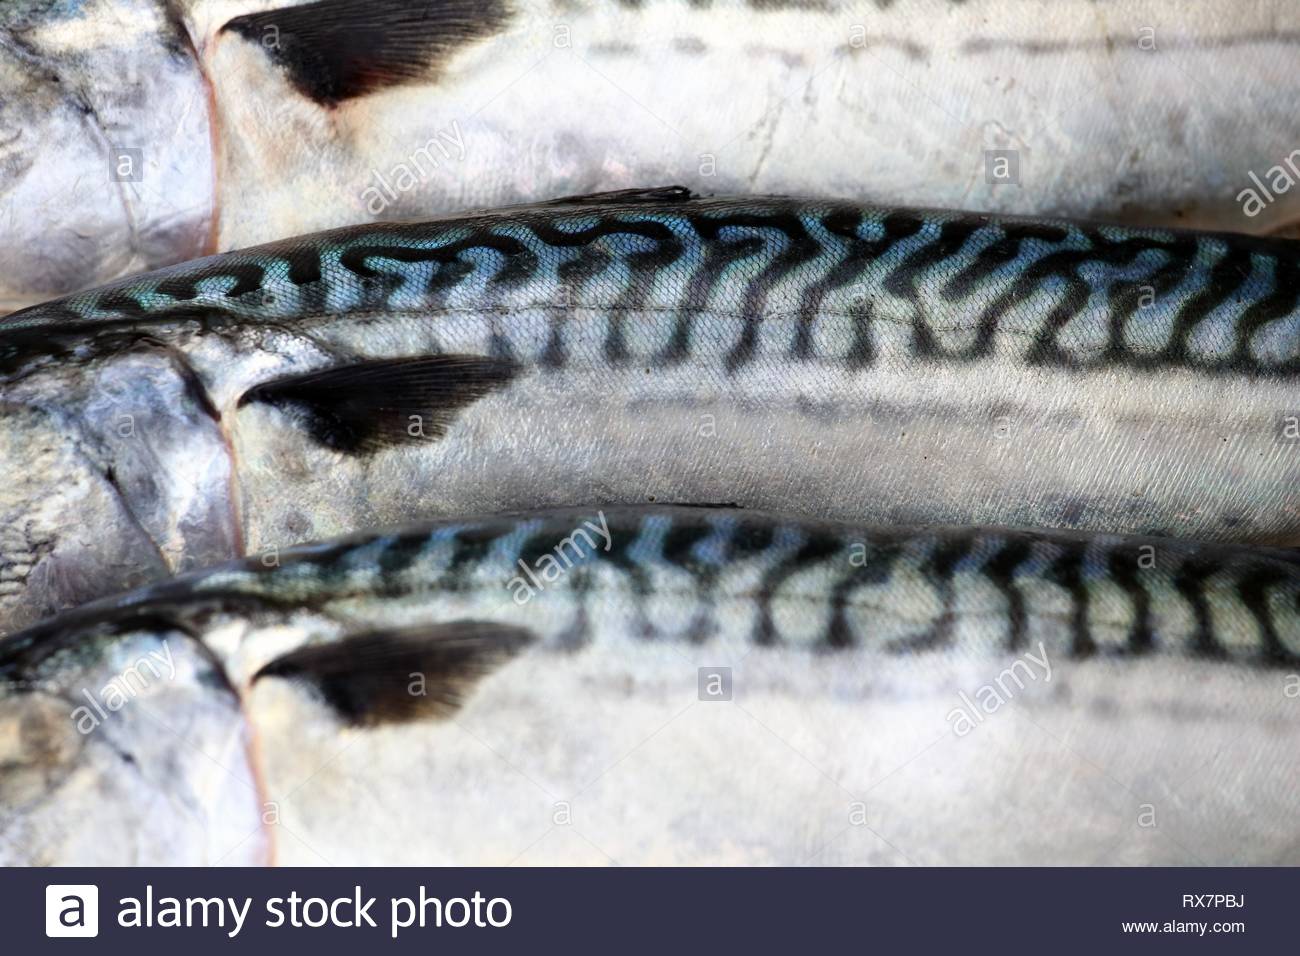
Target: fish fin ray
pixel 336 50
pixel 368 679
pixel 380 403
pixel 654 194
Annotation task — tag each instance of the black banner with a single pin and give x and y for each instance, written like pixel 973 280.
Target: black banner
pixel 657 911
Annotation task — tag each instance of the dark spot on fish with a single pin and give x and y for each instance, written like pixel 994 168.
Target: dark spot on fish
pixel 980 45
pixel 616 48
pixel 769 6
pixel 909 48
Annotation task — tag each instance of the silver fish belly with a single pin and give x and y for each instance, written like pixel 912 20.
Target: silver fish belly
pixel 133 133
pixel 696 685
pixel 826 359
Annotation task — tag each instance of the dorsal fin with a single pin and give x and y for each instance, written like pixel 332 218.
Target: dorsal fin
pixel 654 194
pixel 706 505
pixel 395 676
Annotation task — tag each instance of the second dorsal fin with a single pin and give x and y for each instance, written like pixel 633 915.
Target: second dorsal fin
pixel 654 194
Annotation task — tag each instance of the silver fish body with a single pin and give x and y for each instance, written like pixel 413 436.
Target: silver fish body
pixel 442 693
pixel 106 166
pixel 135 133
pixel 826 359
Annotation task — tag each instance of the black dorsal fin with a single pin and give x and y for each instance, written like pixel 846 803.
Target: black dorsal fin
pixel 401 675
pixel 653 194
pixel 706 505
pixel 380 403
pixel 335 50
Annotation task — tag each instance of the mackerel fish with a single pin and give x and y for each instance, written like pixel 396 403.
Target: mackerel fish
pixel 668 685
pixel 138 133
pixel 825 359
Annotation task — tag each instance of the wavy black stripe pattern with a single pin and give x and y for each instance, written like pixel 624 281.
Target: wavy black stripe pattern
pixel 665 573
pixel 775 582
pixel 744 282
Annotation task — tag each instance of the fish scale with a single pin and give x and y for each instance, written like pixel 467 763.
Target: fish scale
pixel 1245 603
pixel 364 107
pixel 887 624
pixel 840 361
pixel 780 280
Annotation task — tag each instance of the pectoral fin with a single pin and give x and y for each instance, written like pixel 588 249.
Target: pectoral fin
pixel 335 50
pixel 376 404
pixel 396 676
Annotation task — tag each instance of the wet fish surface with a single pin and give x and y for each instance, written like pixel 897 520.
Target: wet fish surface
pixel 160 726
pixel 135 133
pixel 825 359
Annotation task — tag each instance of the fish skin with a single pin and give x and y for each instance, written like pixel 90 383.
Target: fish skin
pixel 909 367
pixel 118 792
pixel 835 632
pixel 77 82
pixel 898 113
